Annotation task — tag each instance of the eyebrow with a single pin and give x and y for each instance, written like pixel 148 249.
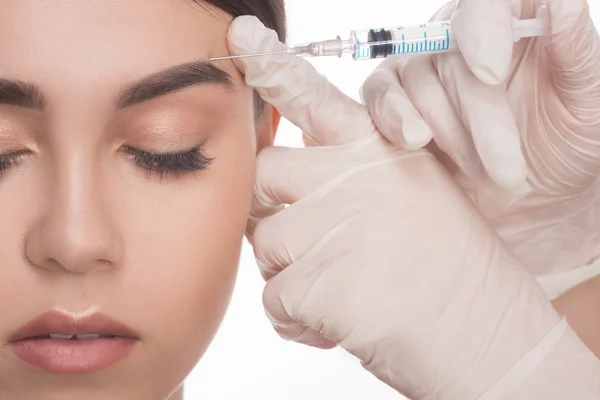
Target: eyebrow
pixel 21 94
pixel 172 79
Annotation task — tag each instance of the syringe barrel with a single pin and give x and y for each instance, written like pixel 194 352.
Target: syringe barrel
pixel 433 37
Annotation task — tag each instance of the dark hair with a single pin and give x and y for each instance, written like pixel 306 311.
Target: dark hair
pixel 269 12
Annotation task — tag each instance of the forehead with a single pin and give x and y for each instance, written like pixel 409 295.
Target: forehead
pixel 105 41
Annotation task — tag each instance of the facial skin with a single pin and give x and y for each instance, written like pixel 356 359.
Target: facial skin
pixel 84 227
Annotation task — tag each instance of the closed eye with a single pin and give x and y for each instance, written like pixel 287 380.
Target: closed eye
pixel 170 163
pixel 8 161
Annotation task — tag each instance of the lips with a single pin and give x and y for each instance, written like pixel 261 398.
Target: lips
pixel 55 322
pixel 59 343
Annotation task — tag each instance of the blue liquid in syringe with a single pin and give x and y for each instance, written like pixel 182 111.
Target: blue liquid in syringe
pixel 434 37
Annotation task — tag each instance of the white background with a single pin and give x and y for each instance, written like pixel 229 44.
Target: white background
pixel 247 359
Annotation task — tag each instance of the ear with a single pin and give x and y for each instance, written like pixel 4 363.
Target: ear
pixel 266 129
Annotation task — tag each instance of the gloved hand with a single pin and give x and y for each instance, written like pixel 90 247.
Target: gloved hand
pixel 496 108
pixel 379 252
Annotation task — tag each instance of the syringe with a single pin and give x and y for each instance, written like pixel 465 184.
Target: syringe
pixel 431 38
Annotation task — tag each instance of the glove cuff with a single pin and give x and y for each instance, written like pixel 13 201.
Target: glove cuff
pixel 560 366
pixel 520 372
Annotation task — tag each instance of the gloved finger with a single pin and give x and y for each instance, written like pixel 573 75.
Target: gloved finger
pixel 293 86
pixel 277 241
pixel 299 333
pixel 491 162
pixel 391 110
pixel 483 32
pixel 398 121
pixel 285 175
pixel 281 239
pixel 277 245
pixel 574 53
pixel 276 291
pixel 425 91
pixel 486 113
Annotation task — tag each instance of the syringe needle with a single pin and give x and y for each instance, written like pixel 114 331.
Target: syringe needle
pixel 249 55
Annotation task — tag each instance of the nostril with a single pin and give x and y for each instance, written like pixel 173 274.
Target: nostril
pixel 49 262
pixel 73 243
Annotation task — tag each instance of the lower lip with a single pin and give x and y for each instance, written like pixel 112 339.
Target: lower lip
pixel 73 356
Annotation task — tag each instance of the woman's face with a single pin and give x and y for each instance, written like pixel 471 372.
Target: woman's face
pixel 91 221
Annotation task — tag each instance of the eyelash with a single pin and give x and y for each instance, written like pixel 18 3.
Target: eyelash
pixel 10 160
pixel 163 165
pixel 156 165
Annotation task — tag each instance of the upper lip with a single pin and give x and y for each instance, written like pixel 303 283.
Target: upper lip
pixel 57 322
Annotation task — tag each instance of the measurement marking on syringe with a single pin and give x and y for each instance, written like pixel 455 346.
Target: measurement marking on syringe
pixel 403 44
pixel 407 45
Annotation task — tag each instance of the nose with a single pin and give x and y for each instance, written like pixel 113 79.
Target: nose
pixel 75 233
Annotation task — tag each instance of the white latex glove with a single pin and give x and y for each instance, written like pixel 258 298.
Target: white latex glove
pixel 547 113
pixel 380 252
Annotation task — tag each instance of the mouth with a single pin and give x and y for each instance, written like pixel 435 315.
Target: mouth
pixel 61 336
pixel 61 344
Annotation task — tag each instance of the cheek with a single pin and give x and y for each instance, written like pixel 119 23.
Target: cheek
pixel 184 246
